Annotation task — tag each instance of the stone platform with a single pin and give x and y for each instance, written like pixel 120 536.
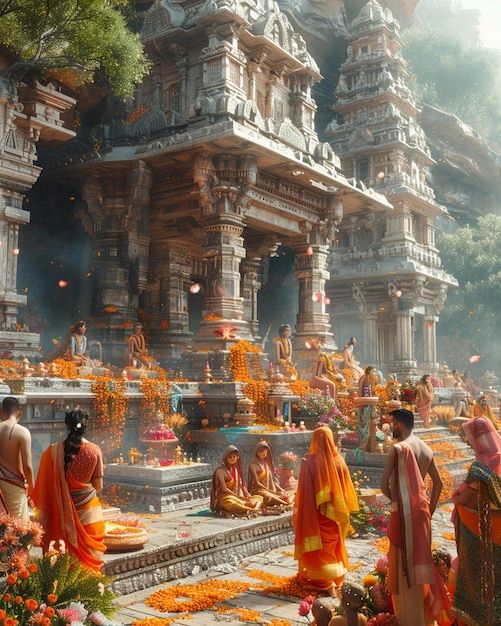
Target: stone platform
pixel 209 445
pixel 160 489
pixel 214 540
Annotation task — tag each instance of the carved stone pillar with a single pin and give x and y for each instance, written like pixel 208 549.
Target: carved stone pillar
pixel 168 301
pixel 311 274
pixel 223 203
pixel 430 364
pixel 114 215
pixel 28 112
pixel 370 338
pixel 404 343
pixel 251 284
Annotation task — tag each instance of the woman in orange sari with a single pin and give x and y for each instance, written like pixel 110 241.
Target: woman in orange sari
pixel 65 494
pixel 262 478
pixel 477 517
pixel 324 500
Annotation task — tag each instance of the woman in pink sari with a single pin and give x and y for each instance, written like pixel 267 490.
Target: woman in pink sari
pixel 477 518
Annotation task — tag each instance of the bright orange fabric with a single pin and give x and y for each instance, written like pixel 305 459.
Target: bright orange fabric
pixel 324 500
pixel 410 520
pixel 69 509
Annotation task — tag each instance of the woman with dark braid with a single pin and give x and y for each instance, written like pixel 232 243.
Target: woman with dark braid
pixel 69 478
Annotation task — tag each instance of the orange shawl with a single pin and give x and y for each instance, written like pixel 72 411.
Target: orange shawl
pixel 69 509
pixel 325 487
pixel 410 524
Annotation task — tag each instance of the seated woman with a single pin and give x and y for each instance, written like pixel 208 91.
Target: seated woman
pixel 69 478
pixel 229 495
pixel 323 376
pixel 477 519
pixel 262 478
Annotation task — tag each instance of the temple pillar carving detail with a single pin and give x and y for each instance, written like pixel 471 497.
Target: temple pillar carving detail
pixel 404 342
pixel 430 343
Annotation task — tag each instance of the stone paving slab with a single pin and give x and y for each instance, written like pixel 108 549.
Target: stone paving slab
pixel 362 552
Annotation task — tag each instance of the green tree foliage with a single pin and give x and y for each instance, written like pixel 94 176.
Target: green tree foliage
pixel 83 36
pixel 472 316
pixel 459 80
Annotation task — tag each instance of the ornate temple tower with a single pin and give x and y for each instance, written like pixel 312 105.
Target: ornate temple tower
pixel 386 269
pixel 29 113
pixel 214 164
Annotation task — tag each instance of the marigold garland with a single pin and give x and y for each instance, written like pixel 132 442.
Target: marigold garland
pixel 382 545
pixel 280 585
pixel 256 389
pixel 195 597
pixel 110 408
pixel 154 402
pixel 300 387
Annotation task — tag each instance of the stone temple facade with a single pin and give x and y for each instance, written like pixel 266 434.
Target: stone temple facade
pixel 214 164
pixel 386 284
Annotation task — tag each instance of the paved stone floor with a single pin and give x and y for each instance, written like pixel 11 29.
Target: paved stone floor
pixel 362 551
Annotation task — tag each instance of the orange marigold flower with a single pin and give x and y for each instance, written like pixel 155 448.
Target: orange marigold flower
pixel 24 574
pixel 51 598
pixel 31 604
pixel 49 611
pixel 7 598
pixel 10 621
pixel 33 567
pixel 18 600
pixel 3 614
pixel 11 579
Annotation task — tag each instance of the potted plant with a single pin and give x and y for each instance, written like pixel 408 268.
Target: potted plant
pixel 287 461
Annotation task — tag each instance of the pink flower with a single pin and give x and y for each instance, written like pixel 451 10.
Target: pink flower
pixel 75 612
pixel 304 608
pixel 382 565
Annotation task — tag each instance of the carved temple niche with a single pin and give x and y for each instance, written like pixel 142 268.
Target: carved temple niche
pixel 115 215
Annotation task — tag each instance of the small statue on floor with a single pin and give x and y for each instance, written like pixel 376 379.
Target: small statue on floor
pixel 352 603
pixel 229 496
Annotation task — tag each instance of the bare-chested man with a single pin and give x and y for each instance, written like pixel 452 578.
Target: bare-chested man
pixel 16 469
pixel 410 565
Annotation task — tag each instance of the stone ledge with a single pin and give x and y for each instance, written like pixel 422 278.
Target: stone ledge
pixel 133 572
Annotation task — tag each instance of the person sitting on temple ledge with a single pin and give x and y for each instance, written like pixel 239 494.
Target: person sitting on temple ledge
pixel 262 479
pixel 228 495
pixel 77 348
pixel 282 351
pixel 136 352
pixel 324 375
pixel 350 364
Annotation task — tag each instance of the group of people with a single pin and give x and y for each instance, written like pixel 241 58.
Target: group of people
pixel 136 352
pixel 65 492
pixel 325 498
pixel 230 496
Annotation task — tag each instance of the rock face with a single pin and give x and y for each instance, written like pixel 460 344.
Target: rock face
pixel 467 171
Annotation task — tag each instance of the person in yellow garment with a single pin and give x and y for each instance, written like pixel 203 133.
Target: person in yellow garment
pixel 262 480
pixel 325 498
pixel 229 495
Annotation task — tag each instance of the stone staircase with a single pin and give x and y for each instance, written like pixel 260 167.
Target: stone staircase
pixel 373 463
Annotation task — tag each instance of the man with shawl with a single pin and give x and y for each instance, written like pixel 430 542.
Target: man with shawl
pixel 477 517
pixel 410 563
pixel 228 495
pixel 325 498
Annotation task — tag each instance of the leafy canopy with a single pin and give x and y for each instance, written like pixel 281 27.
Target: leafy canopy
pixel 472 315
pixel 459 80
pixel 80 35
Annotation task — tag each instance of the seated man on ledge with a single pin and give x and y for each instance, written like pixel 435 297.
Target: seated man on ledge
pixel 136 354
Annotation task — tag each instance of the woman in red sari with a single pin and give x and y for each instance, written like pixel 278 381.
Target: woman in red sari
pixel 324 500
pixel 69 478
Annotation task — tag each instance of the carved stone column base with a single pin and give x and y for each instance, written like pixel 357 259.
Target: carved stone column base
pixel 221 334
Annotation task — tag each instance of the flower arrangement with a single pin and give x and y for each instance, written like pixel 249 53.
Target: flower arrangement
pixel 158 432
pixel 44 591
pixel 436 382
pixel 242 354
pixel 408 392
pixel 287 460
pixel 323 408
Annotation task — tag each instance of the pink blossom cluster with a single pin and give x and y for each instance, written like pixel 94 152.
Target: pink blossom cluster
pixel 160 432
